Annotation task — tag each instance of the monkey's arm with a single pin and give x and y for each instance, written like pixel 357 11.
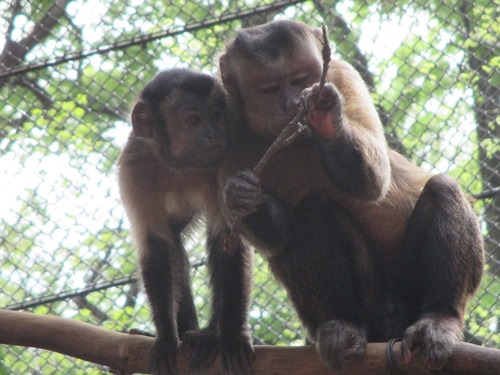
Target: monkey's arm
pixel 265 221
pixel 349 134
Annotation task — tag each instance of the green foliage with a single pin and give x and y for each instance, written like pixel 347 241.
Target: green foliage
pixel 272 318
pixel 3 368
pixel 483 318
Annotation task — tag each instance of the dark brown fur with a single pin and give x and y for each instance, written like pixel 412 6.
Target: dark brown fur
pixel 368 245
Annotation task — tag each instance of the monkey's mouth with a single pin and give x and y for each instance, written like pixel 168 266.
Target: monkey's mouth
pixel 212 154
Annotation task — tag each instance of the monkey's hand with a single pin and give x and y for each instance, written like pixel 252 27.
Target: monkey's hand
pixel 162 357
pixel 242 194
pixel 323 110
pixel 337 341
pixel 436 336
pixel 265 221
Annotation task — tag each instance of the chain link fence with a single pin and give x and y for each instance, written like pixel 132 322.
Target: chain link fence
pixel 70 70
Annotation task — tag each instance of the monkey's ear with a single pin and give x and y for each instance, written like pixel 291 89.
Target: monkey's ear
pixel 142 121
pixel 225 71
pixel 318 34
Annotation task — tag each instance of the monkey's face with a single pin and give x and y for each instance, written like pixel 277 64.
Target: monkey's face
pixel 195 130
pixel 271 90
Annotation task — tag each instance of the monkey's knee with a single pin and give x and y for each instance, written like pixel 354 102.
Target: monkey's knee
pixel 441 186
pixel 337 341
pixel 443 198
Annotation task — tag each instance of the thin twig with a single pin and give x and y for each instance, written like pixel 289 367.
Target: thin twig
pixel 286 137
pixel 326 53
pixel 294 128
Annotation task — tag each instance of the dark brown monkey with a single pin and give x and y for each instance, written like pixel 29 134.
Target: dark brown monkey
pixel 368 245
pixel 167 178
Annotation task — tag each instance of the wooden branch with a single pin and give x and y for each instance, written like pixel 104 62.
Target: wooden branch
pixel 128 354
pixel 76 339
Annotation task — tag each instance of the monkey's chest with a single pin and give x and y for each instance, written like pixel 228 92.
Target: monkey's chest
pixel 295 172
pixel 187 201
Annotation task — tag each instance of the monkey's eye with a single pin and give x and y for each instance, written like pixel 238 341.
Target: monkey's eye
pixel 270 89
pixel 194 119
pixel 216 115
pixel 299 80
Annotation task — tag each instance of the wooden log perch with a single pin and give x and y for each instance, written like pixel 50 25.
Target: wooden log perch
pixel 127 354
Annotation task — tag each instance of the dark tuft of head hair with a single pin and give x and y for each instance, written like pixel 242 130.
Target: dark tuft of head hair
pixel 269 40
pixel 165 82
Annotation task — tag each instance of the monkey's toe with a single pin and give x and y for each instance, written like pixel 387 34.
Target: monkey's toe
pixel 435 336
pixel 337 341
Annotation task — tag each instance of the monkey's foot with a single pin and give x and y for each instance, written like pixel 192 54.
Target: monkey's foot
pixel 337 341
pixel 202 347
pixel 436 336
pixel 162 357
pixel 237 353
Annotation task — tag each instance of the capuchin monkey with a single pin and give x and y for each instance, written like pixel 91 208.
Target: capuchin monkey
pixel 167 178
pixel 369 246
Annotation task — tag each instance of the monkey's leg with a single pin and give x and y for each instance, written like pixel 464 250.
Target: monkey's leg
pixel 228 332
pixel 441 267
pixel 328 278
pixel 187 319
pixel 157 264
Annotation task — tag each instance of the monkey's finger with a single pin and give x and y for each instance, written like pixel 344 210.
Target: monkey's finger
pixel 201 347
pixel 248 176
pixel 241 200
pixel 242 189
pixel 244 180
pixel 201 358
pixel 238 363
pixel 406 349
pixel 247 182
pixel 356 351
pixel 315 89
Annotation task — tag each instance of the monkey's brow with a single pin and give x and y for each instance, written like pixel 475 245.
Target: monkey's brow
pixel 186 104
